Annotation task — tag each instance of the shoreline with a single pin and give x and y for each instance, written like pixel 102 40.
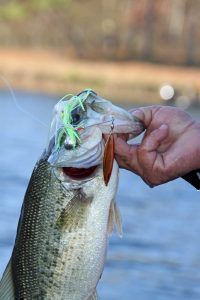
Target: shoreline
pixel 40 70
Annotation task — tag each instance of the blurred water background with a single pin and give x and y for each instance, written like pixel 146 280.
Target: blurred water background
pixel 135 53
pixel 158 256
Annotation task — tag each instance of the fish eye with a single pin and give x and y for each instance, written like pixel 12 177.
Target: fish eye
pixel 77 115
pixel 75 118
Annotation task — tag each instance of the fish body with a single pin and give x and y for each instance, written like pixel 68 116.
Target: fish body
pixel 68 210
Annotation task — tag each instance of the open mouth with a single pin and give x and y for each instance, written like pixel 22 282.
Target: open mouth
pixel 78 174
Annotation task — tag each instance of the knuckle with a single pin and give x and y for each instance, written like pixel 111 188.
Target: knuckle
pixel 152 183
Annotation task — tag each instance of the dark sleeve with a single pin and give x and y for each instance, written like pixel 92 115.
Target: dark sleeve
pixel 193 178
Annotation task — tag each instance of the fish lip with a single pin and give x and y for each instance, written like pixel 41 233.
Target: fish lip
pixel 79 161
pixel 139 123
pixel 139 128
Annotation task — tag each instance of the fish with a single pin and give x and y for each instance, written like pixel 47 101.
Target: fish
pixel 69 208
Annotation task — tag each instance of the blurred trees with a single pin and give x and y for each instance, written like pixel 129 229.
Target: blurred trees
pixel 164 31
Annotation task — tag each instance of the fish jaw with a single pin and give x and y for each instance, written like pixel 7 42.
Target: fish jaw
pixel 133 126
pixel 110 117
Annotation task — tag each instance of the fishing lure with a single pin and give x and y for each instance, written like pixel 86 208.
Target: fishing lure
pixel 108 158
pixel 68 127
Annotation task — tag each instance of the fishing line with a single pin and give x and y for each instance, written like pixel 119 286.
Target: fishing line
pixel 18 106
pixel 103 122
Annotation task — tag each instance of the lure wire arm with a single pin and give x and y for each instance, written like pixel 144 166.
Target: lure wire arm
pixel 112 125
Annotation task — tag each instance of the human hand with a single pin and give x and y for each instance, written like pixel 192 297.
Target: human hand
pixel 169 149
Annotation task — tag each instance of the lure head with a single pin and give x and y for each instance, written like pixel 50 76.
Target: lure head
pixel 78 125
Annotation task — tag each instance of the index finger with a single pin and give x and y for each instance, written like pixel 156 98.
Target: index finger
pixel 145 114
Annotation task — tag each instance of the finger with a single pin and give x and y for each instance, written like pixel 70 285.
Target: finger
pixel 149 156
pixel 122 162
pixel 145 114
pixel 122 148
pixel 123 136
pixel 126 155
pixel 154 139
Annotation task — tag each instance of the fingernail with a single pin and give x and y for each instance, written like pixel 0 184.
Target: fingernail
pixel 136 112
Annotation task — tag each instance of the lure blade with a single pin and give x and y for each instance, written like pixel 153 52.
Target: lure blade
pixel 108 158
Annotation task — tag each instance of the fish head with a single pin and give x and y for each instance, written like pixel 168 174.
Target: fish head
pixel 77 129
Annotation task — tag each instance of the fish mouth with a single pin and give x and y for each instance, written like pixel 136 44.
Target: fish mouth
pixel 79 173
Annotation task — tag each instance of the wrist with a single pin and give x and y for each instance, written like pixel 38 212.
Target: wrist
pixel 197 145
pixel 191 147
pixel 193 176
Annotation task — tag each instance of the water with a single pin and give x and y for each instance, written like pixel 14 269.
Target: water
pixel 159 255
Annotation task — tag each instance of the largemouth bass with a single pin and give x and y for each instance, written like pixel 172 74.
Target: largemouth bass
pixel 69 205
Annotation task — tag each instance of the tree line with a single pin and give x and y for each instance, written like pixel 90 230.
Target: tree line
pixel 165 31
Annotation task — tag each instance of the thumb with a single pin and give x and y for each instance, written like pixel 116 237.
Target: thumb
pixel 126 155
pixel 122 148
